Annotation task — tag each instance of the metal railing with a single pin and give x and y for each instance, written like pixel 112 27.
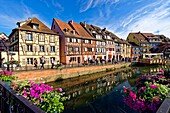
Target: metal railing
pixel 46 67
pixel 165 106
pixel 10 102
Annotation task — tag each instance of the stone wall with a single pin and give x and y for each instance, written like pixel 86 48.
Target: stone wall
pixel 62 73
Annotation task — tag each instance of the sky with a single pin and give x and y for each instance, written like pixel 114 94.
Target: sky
pixel 118 16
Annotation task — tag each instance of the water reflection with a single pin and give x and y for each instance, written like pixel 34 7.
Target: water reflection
pixel 92 92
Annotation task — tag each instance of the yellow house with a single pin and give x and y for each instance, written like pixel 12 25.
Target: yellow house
pixel 32 40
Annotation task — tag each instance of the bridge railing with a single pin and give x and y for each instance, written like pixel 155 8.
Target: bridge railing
pixel 10 102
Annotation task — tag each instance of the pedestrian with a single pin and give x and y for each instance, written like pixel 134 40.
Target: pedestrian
pixel 35 63
pixel 52 63
pixel 112 60
pixel 3 63
pixel 42 62
pixel 96 61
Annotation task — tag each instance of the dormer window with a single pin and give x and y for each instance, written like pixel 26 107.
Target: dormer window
pixel 66 29
pixel 35 27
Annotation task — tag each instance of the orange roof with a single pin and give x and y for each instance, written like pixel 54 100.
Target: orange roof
pixel 80 30
pixel 28 26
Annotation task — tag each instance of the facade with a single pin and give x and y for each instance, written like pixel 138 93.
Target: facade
pixel 152 39
pixel 4 38
pixel 140 40
pixel 95 31
pixel 125 50
pixel 88 42
pixel 110 44
pixel 135 51
pixel 32 39
pixel 118 48
pixel 70 43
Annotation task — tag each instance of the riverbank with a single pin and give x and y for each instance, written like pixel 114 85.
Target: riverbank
pixel 63 73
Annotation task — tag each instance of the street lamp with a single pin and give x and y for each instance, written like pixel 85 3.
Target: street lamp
pixel 7 44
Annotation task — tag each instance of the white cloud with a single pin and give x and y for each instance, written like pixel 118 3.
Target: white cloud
pixel 151 18
pixel 85 5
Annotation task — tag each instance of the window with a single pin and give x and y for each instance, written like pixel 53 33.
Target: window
pixel 72 59
pixel 52 48
pixel 35 27
pixel 89 49
pixel 41 37
pixel 29 37
pixel 83 40
pixel 85 49
pixel 77 49
pixel 52 39
pixel 29 48
pixel 54 26
pixel 29 60
pixel 42 49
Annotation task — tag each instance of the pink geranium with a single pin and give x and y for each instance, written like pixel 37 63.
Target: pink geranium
pixel 153 86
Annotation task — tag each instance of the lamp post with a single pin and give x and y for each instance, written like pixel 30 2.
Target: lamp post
pixel 7 44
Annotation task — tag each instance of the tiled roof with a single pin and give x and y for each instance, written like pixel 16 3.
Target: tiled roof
pixel 97 29
pixel 87 27
pixel 163 38
pixel 63 26
pixel 139 36
pixel 28 26
pixel 148 34
pixel 80 30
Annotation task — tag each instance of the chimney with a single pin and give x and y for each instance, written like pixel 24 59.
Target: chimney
pixel 84 23
pixel 18 24
pixel 71 21
pixel 104 29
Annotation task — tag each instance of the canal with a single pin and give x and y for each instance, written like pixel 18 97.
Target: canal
pixel 101 92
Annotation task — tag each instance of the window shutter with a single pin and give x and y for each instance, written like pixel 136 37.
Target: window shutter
pixel 34 38
pixel 37 48
pixel 25 47
pixel 49 49
pixel 23 37
pixel 92 49
pixel 34 48
pixel 56 49
pixel 85 49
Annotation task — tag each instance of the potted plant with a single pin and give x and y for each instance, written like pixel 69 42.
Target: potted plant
pixel 6 76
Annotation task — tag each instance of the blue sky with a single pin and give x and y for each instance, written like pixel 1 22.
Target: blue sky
pixel 118 16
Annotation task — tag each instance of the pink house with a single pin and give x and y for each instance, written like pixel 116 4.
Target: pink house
pixel 70 43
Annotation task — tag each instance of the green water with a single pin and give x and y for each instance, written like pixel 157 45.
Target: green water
pixel 84 90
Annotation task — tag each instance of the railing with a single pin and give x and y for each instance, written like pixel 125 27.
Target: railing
pixel 165 106
pixel 71 65
pixel 10 102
